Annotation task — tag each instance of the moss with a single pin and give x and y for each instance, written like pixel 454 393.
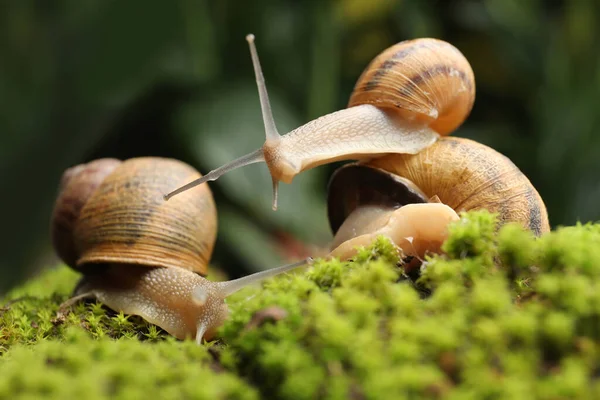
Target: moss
pixel 30 314
pixel 96 353
pixel 79 366
pixel 502 320
pixel 500 315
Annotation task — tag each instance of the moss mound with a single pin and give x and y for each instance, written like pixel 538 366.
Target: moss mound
pixel 501 315
pixel 80 367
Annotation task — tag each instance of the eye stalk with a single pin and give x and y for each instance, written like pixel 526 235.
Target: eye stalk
pixel 271 133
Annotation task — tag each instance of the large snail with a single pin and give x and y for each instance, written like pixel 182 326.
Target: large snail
pixel 412 198
pixel 407 97
pixel 403 105
pixel 139 254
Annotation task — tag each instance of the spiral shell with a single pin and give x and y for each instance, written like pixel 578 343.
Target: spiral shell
pixel 78 183
pixel 463 174
pixel 424 80
pixel 126 220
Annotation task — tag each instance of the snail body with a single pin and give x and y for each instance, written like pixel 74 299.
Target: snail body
pixel 403 106
pixel 417 229
pixel 412 198
pixel 139 254
pixel 409 96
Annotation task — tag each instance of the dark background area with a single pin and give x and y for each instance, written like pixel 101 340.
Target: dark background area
pixel 83 79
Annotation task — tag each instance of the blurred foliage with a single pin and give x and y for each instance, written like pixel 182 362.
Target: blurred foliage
pixel 83 79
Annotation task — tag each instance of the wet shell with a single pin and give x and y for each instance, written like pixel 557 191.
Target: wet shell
pixel 127 221
pixel 467 175
pixel 425 80
pixel 78 183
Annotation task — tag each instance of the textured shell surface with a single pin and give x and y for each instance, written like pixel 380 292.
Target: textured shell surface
pixel 127 221
pixel 425 80
pixel 467 175
pixel 77 184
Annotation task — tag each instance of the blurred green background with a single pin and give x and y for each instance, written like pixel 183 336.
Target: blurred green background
pixel 83 79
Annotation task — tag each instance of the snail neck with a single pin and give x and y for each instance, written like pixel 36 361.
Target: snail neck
pixel 354 133
pixel 281 164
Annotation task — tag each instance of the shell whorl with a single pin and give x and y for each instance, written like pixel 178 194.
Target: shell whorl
pixel 425 80
pixel 77 184
pixel 467 175
pixel 126 221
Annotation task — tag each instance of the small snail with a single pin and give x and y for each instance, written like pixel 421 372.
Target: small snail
pixel 139 254
pixel 412 198
pixel 407 97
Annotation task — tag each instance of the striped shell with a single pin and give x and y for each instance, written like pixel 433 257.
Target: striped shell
pixel 464 175
pixel 125 219
pixel 76 186
pixel 425 80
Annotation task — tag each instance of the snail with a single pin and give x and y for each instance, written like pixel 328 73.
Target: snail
pixel 138 254
pixel 407 97
pixel 411 198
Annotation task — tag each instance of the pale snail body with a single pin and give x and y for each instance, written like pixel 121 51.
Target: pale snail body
pixel 412 198
pixel 416 229
pixel 140 255
pixel 410 95
pixel 407 97
pixel 162 296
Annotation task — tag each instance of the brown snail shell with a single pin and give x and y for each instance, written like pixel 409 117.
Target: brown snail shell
pixel 76 186
pixel 121 217
pixel 140 255
pixel 461 173
pixel 425 80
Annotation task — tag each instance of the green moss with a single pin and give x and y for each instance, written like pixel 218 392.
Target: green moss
pixel 79 366
pixel 95 353
pixel 30 314
pixel 500 315
pixel 502 320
